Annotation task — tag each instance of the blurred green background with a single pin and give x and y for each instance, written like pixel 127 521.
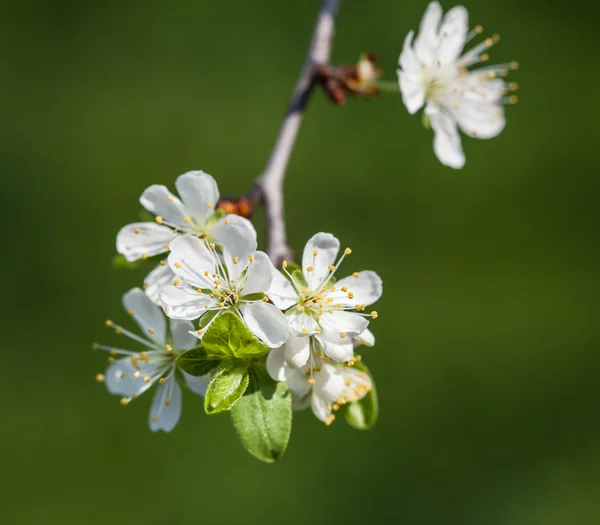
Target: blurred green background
pixel 487 358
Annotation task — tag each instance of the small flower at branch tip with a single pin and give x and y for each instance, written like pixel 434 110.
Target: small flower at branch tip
pixel 135 372
pixel 435 74
pixel 362 78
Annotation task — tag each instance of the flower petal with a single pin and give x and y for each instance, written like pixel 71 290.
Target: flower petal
pixel 143 239
pixel 302 323
pixel 197 384
pixel 199 193
pixel 341 322
pixel 239 242
pixel 446 139
pixel 320 407
pixel 408 60
pixel 427 41
pixel 297 350
pixel 276 365
pixel 365 289
pixel 156 280
pixel 480 120
pixel 191 260
pixel 326 248
pixel 453 35
pixel 259 275
pixel 365 339
pixel 329 383
pixel 181 339
pixel 413 92
pixel 184 303
pixel 166 406
pixel 281 292
pixel 337 349
pixel 146 314
pixel 297 382
pixel 158 200
pixel 266 322
pixel 119 379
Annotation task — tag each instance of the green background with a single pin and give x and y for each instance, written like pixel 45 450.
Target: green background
pixel 487 358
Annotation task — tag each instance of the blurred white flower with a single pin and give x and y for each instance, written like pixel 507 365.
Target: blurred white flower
pixel 207 282
pixel 434 74
pixel 333 313
pixel 132 375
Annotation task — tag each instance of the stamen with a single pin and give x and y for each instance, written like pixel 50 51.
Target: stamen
pixel 100 378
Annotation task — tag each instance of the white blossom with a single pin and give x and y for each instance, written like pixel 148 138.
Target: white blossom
pixel 192 213
pixel 208 282
pixel 434 73
pixel 320 384
pixel 332 313
pixel 132 375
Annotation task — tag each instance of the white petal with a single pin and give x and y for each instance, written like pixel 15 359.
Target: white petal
pixel 427 41
pixel 156 280
pixel 259 276
pixel 197 384
pixel 158 200
pixel 337 349
pixel 365 339
pixel 302 323
pixel 300 402
pixel 446 140
pixel 239 242
pixel 184 303
pixel 480 120
pixel 217 232
pixel 365 289
pixel 326 247
pixel 413 91
pixel 297 382
pixel 329 383
pixel 143 239
pixel 199 193
pixel 148 316
pixel 297 350
pixel 281 292
pixel 181 339
pixel 119 378
pixel 266 322
pixel 339 321
pixel 276 365
pixel 191 260
pixel 408 60
pixel 453 35
pixel 167 415
pixel 320 408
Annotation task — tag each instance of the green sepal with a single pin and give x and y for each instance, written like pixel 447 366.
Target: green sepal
pixel 207 318
pixel 253 297
pixel 228 384
pixel 197 362
pixel 425 120
pixel 263 416
pixel 299 279
pixel 362 414
pixel 229 338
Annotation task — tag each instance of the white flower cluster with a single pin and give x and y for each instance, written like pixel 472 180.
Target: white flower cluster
pixel 310 321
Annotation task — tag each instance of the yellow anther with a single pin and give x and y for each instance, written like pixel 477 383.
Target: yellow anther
pixel 206 273
pixel 309 268
pixel 94 346
pixel 514 65
pixel 209 205
pixel 222 304
pixel 137 231
pixel 311 381
pixel 123 401
pixel 333 288
pixel 479 29
pixel 113 352
pixel 491 74
pixel 361 341
pixel 347 251
pixel 317 368
pixel 177 265
pixel 147 379
pixel 513 86
pixel 344 289
pixel 144 256
pixel 158 219
pixel 133 397
pixel 118 330
pixel 201 331
pixel 151 330
pixel 236 298
pixel 162 380
pixel 300 308
pixel 330 420
pixel 331 267
pixel 168 348
pixel 265 299
pixel 317 329
pixel 496 38
pixel 154 419
pixel 457 105
pixel 136 374
pixel 485 57
pixel 226 221
pixel 171 198
pixel 347 381
pixel 284 264
pixel 304 330
pixel 109 323
pixel 162 263
pixel 343 335
pixel 315 253
pixel 489 42
pixel 100 378
pixel 212 245
pixel 167 401
pixel 235 260
pixel 336 406
pixel 504 72
pixel 513 99
pixel 176 282
pixel 251 257
pixel 374 315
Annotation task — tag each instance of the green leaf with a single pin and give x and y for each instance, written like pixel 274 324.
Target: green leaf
pixel 229 338
pixel 254 297
pixel 227 385
pixel 263 416
pixel 362 414
pixel 197 362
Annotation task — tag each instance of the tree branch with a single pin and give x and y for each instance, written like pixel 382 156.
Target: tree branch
pixel 270 182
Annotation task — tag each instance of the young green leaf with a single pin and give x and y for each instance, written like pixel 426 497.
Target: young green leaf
pixel 229 338
pixel 227 385
pixel 263 416
pixel 362 414
pixel 197 362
